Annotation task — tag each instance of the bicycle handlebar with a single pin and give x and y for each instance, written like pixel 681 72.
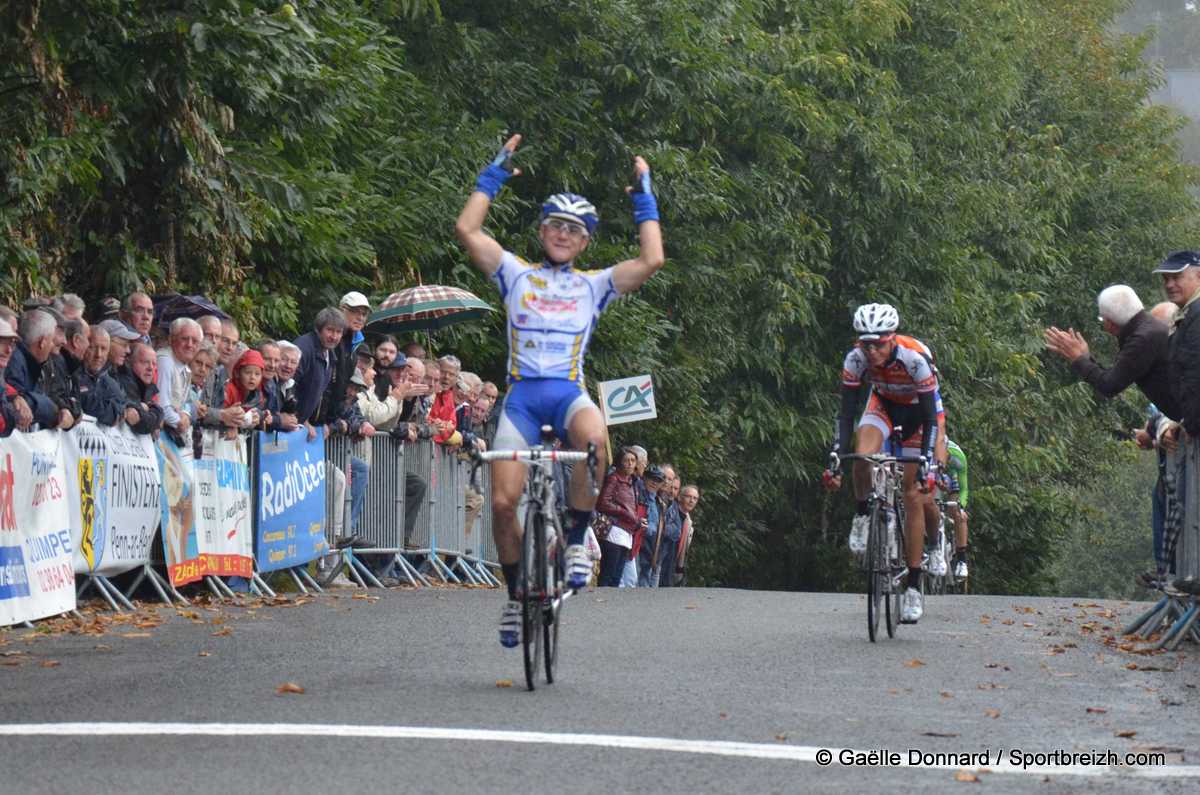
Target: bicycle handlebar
pixel 877 458
pixel 566 456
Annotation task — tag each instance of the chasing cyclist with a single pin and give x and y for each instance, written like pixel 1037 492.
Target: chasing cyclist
pixel 903 393
pixel 552 311
pixel 955 485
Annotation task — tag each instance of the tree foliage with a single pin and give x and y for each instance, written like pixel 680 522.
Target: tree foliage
pixel 987 166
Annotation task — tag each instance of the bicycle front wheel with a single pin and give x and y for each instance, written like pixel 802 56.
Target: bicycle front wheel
pixel 533 581
pixel 877 567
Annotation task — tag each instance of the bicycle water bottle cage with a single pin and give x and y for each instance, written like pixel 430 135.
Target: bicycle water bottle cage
pixel 547 436
pixel 895 442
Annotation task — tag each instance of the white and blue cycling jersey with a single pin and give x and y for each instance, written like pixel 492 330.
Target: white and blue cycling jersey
pixel 552 312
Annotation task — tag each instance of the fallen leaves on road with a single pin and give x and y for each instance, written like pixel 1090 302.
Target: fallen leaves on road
pixel 966 776
pixel 939 734
pixel 990 686
pixel 135 634
pixel 362 597
pixel 1001 666
pixel 503 683
pixel 289 687
pixel 204 654
pixel 221 633
pixel 992 713
pixel 945 694
pixel 781 738
pixel 1097 710
pixel 50 663
pixel 914 663
pixel 1125 734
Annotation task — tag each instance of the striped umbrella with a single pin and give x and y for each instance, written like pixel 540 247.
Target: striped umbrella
pixel 426 308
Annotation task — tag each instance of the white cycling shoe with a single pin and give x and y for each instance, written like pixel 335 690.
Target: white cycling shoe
pixel 858 534
pixel 578 566
pixel 960 569
pixel 510 625
pixel 912 606
pixel 936 564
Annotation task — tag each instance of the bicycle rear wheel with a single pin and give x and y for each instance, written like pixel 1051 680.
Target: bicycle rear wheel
pixel 533 581
pixel 553 604
pixel 876 565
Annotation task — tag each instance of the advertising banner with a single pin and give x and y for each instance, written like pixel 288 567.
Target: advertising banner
pixel 178 519
pixel 115 497
pixel 291 500
pixel 37 578
pixel 628 400
pixel 224 536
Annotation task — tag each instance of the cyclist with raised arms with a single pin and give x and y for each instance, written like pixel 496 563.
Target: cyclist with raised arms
pixel 903 393
pixel 956 486
pixel 552 311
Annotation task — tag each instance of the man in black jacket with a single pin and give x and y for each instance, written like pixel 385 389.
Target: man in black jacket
pixel 1141 356
pixel 1181 281
pixel 137 379
pixel 99 393
pixel 24 370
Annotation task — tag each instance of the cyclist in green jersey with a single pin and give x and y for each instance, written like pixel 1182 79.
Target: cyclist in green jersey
pixel 956 488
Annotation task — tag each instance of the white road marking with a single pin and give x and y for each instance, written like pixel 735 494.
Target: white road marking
pixel 781 751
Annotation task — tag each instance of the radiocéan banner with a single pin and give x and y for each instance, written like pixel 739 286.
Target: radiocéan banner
pixel 114 490
pixel 37 578
pixel 291 500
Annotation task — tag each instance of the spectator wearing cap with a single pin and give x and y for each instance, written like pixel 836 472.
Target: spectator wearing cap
pixel 315 370
pixel 99 393
pixel 120 337
pixel 11 418
pixel 138 314
pixel 136 377
pixel 24 369
pixel 355 308
pixel 652 480
pixel 175 379
pixel 110 309
pixel 1141 355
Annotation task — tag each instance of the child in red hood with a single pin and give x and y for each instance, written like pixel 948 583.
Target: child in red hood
pixel 243 389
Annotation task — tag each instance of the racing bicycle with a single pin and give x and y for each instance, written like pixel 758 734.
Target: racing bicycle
pixel 541 591
pixel 884 561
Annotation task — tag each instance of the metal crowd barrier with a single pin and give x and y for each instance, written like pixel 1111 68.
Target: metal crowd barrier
pixel 439 542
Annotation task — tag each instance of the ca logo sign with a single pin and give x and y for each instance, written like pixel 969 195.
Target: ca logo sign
pixel 629 399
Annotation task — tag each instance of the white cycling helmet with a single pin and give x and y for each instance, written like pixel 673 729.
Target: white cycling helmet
pixel 572 207
pixel 872 321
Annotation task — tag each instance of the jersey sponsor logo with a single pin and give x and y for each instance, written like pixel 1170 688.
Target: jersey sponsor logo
pixel 549 306
pixel 538 281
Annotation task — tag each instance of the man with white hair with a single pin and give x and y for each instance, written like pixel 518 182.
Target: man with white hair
pixel 174 377
pixel 24 370
pixel 1141 356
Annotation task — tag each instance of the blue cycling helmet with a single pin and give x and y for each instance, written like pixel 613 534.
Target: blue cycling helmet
pixel 571 207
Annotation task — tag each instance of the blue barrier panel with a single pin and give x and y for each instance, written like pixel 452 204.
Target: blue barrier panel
pixel 291 504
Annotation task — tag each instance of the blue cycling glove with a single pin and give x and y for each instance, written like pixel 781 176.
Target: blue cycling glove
pixel 492 178
pixel 645 207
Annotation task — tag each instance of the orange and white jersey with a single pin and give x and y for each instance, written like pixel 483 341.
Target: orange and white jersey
pixel 901 379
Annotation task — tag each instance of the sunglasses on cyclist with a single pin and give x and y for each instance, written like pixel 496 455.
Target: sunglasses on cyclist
pixel 878 344
pixel 574 231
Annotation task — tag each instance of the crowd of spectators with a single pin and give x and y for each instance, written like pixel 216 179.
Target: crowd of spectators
pixel 176 379
pixel 644 523
pixel 1159 352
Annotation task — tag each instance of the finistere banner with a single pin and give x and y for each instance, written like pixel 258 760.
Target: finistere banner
pixel 114 490
pixel 37 578
pixel 291 500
